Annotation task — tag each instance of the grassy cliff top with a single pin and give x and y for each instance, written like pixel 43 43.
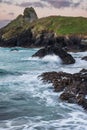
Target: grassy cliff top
pixel 59 24
pixel 62 25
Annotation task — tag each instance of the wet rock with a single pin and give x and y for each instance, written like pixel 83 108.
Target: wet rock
pixel 84 58
pixel 50 50
pixel 83 71
pixel 75 44
pixel 69 97
pixel 25 39
pixel 72 86
pixel 81 100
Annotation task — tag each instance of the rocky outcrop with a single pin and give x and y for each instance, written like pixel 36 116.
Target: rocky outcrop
pixel 46 31
pixel 75 44
pixel 72 86
pixel 25 39
pixel 84 58
pixel 50 50
pixel 45 38
pixel 30 14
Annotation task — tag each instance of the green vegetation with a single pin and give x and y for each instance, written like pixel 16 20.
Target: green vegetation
pixel 14 28
pixel 59 24
pixel 62 25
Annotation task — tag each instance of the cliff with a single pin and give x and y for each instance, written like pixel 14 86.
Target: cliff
pixel 28 29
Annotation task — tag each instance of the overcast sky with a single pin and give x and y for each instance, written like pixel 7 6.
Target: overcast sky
pixel 9 9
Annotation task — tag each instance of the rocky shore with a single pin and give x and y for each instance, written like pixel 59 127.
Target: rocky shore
pixel 72 86
pixel 24 32
pixel 29 40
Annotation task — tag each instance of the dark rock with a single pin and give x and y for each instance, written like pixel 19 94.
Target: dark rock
pixel 45 39
pixel 75 44
pixel 84 58
pixel 83 71
pixel 82 101
pixel 72 86
pixel 56 78
pixel 25 39
pixel 50 50
pixel 61 41
pixel 30 14
pixel 69 97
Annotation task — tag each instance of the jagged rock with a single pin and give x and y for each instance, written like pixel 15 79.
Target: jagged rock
pixel 25 39
pixel 84 58
pixel 72 86
pixel 50 50
pixel 30 14
pixel 56 78
pixel 45 39
pixel 69 97
pixel 83 71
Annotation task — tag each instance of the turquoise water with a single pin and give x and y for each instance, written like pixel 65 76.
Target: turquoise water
pixel 28 104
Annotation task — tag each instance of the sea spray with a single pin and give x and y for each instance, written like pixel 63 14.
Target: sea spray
pixel 28 104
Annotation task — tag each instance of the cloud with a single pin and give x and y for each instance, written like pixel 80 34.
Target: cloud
pixel 34 4
pixel 58 3
pixel 22 3
pixel 62 3
pixel 48 3
pixel 6 2
pixel 4 23
pixel 11 14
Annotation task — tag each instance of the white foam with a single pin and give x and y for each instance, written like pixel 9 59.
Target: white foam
pixel 52 58
pixel 48 58
pixel 76 120
pixel 53 114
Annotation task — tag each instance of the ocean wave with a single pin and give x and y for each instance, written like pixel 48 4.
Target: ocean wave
pixel 48 58
pixel 75 121
pixel 4 72
pixel 28 104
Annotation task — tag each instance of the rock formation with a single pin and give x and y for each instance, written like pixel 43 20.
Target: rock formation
pixel 45 32
pixel 30 14
pixel 72 86
pixel 84 58
pixel 50 50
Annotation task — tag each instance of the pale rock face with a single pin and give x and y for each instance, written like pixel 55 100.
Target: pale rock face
pixel 30 14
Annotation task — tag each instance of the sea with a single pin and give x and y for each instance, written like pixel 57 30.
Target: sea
pixel 26 103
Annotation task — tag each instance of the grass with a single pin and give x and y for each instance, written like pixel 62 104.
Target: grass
pixel 58 24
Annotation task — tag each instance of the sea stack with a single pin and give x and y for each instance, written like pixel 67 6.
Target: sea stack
pixel 30 14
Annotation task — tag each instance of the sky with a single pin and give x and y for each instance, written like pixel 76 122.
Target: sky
pixel 10 9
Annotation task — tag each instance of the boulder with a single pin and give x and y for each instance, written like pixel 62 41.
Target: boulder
pixel 84 58
pixel 72 86
pixel 50 50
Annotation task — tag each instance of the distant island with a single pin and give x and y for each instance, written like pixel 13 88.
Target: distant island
pixel 28 30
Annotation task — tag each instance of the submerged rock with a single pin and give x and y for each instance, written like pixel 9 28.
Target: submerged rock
pixel 50 50
pixel 72 86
